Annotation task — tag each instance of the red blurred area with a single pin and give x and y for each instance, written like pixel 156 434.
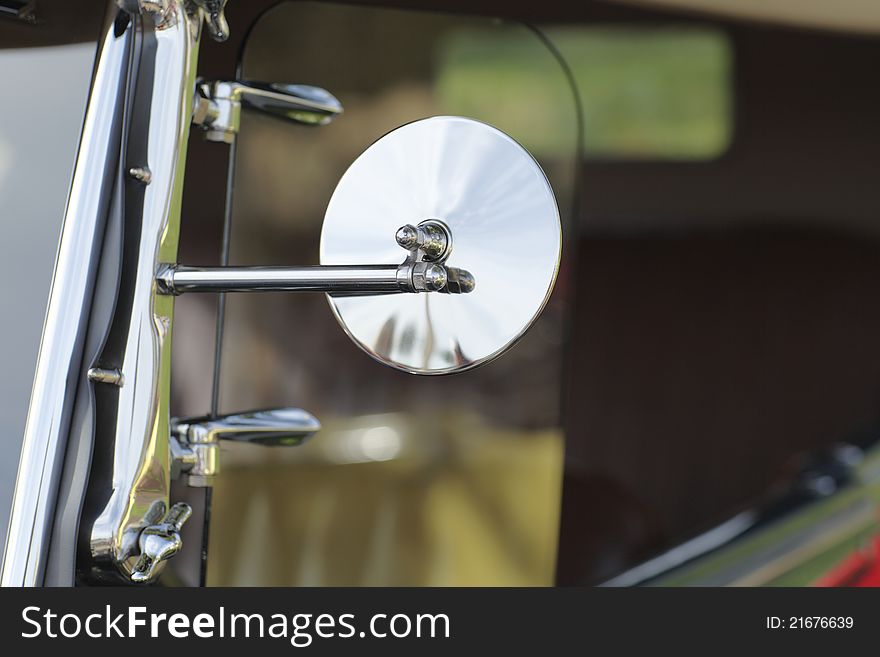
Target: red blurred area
pixel 861 568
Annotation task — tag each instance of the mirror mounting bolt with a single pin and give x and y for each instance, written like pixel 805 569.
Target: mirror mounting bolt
pixel 408 237
pixel 165 280
pixel 428 277
pixel 430 237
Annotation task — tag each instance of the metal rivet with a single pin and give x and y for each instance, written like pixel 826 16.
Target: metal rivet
pixel 100 375
pixel 429 237
pixel 141 174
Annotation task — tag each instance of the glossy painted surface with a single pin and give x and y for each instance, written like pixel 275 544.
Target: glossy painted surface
pixel 505 230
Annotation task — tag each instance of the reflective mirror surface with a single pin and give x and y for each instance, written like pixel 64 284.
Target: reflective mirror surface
pixel 504 228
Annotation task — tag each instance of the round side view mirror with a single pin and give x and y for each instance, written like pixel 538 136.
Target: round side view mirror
pixel 461 194
pixel 480 236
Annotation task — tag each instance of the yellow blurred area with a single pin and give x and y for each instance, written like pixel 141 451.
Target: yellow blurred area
pixel 478 508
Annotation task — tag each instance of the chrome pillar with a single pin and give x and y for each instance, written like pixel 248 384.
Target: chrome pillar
pixel 141 451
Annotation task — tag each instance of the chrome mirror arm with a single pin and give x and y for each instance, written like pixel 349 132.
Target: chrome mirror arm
pixel 332 279
pixel 428 245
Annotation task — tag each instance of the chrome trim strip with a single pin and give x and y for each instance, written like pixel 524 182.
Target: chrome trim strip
pixel 141 443
pixel 60 359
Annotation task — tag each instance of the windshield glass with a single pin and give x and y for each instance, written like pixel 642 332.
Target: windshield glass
pixel 45 91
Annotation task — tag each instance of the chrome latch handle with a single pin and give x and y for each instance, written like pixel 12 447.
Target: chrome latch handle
pixel 158 543
pixel 215 18
pixel 218 105
pixel 195 441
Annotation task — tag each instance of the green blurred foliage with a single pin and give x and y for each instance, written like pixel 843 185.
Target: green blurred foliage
pixel 648 93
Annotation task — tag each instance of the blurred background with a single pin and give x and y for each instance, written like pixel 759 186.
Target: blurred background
pixel 420 481
pixel 698 404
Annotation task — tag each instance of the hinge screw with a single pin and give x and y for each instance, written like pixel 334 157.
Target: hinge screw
pixel 141 174
pixel 100 375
